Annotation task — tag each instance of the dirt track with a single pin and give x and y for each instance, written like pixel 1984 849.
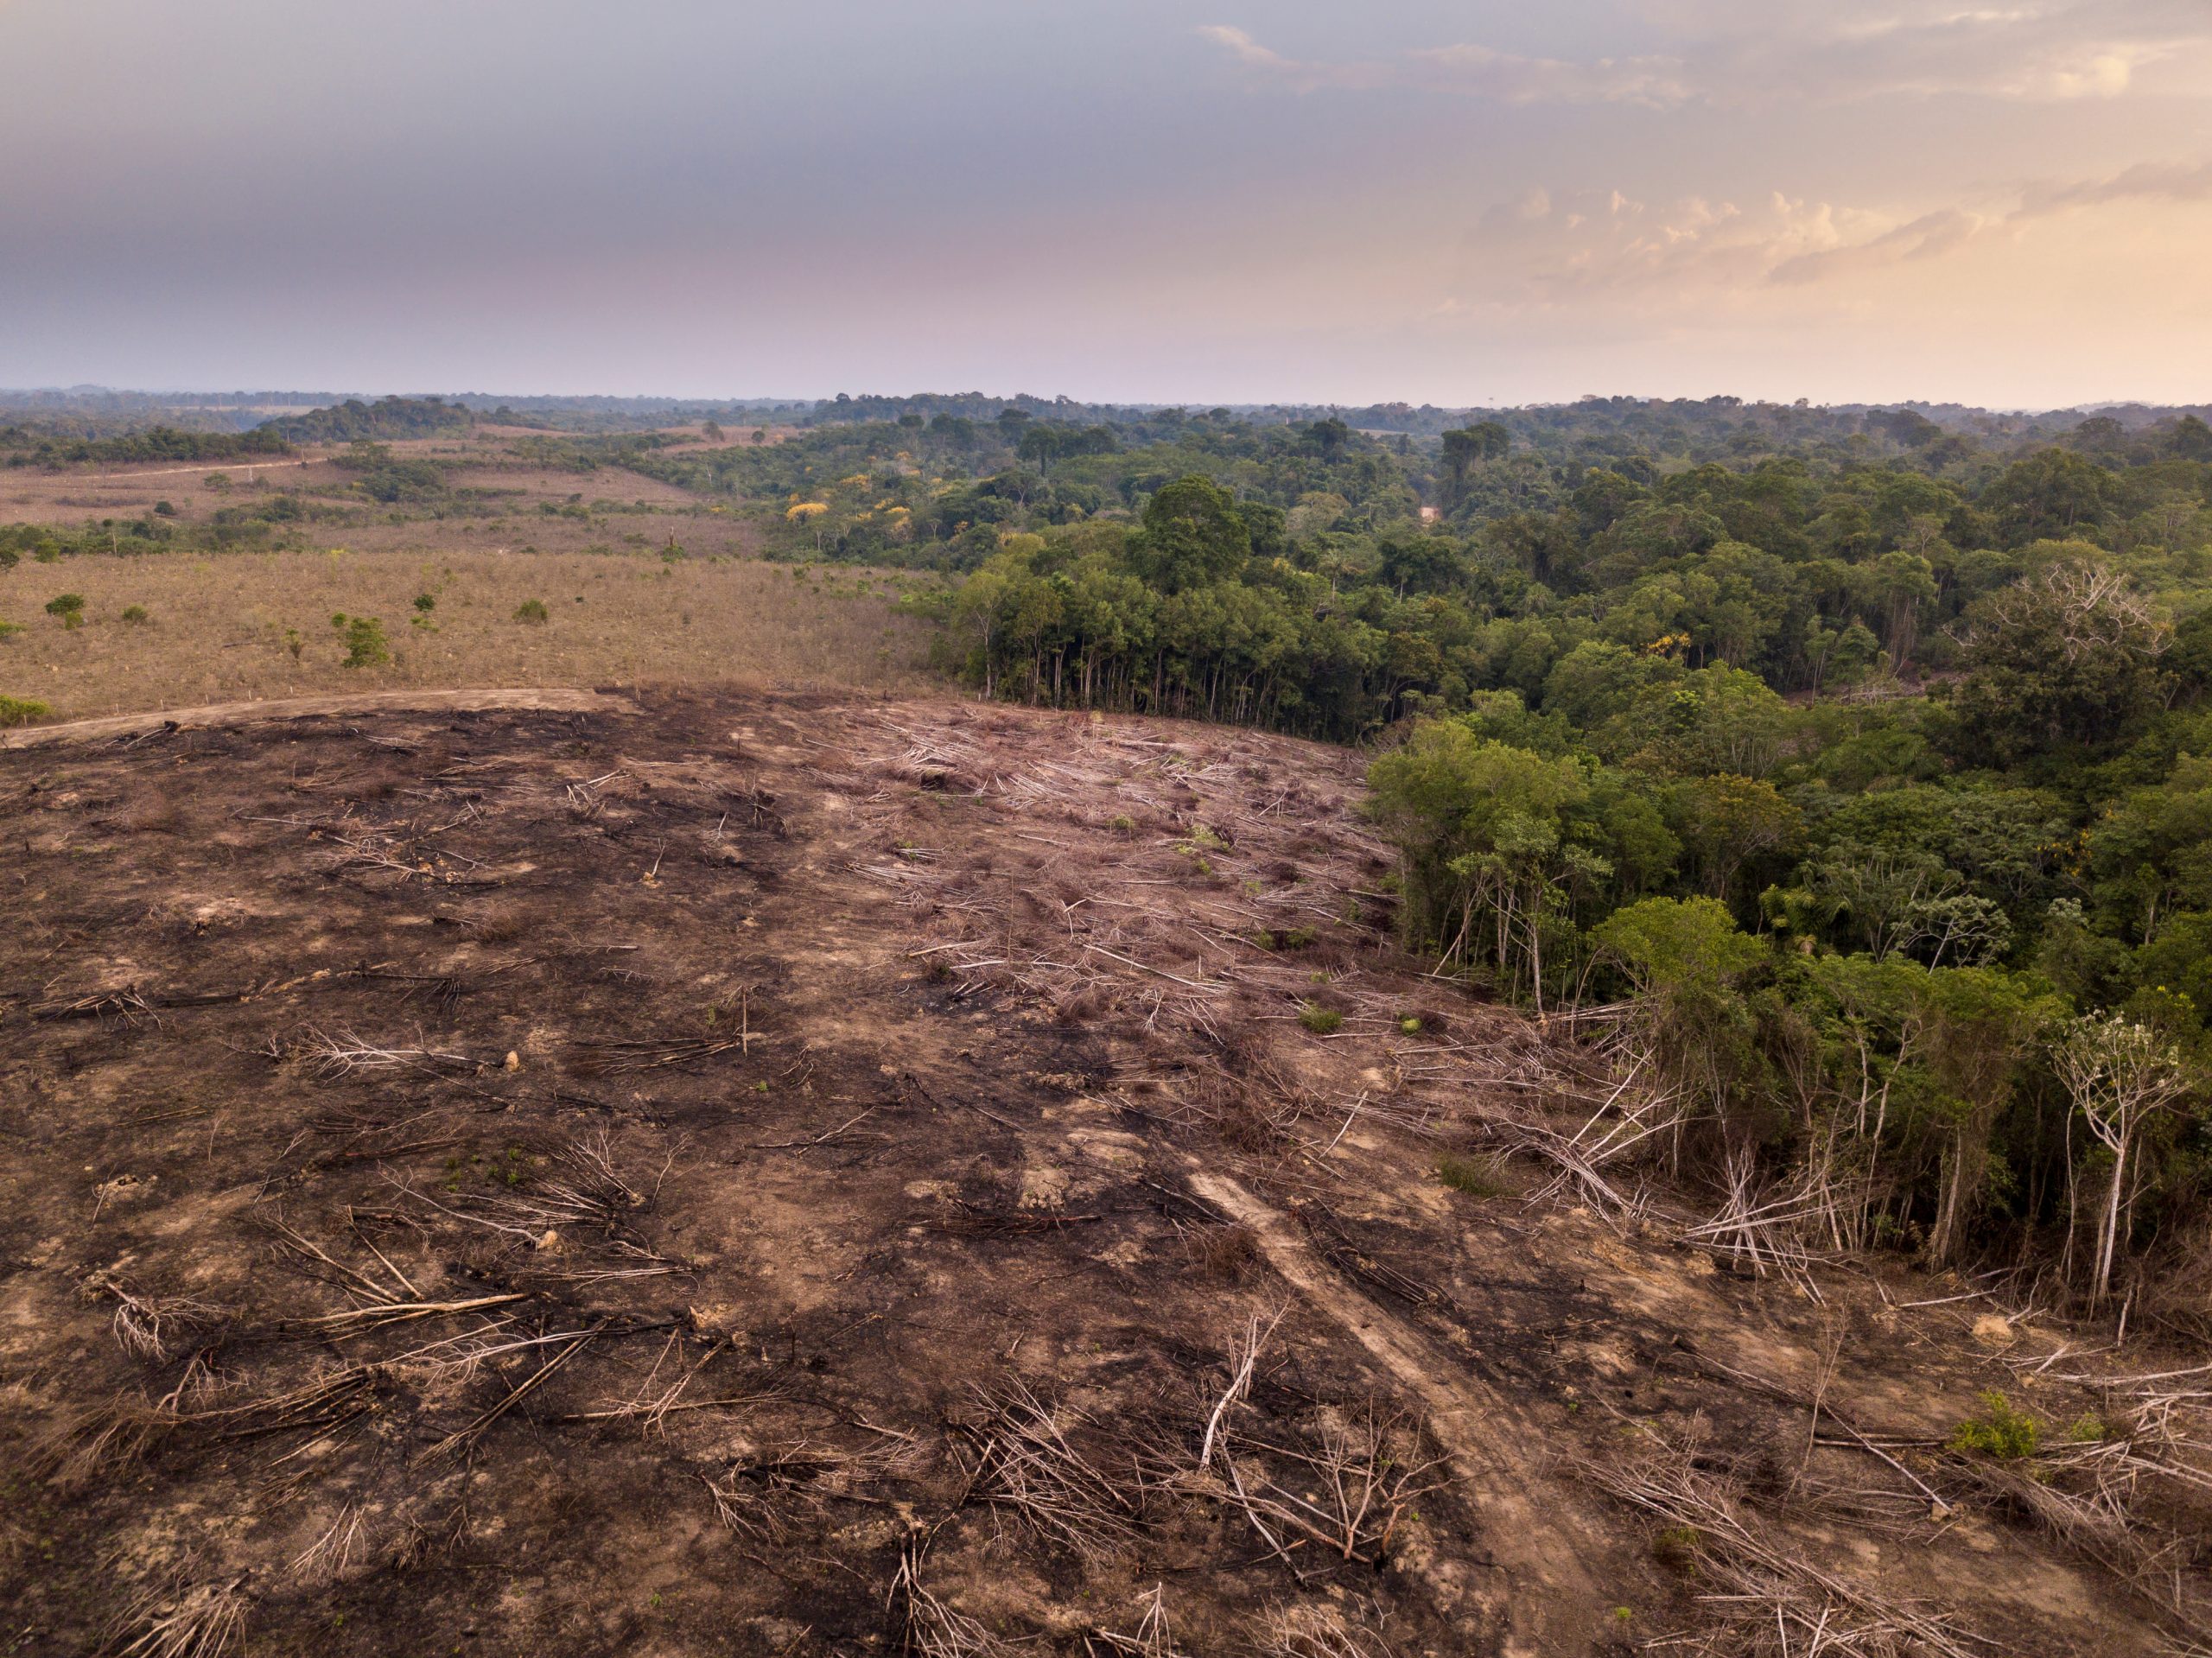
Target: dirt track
pixel 910 1110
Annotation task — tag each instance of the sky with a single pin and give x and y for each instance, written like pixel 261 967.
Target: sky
pixel 2001 202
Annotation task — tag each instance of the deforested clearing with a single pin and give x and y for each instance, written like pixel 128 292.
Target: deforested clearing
pixel 794 1174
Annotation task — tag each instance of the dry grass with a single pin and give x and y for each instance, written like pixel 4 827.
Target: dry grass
pixel 220 625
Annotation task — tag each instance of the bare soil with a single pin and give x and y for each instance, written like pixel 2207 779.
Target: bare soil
pixel 792 1175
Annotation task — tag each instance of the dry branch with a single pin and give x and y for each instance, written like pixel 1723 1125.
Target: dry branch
pixel 1775 1600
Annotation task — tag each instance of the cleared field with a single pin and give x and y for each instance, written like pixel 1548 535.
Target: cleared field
pixel 232 626
pixel 807 1177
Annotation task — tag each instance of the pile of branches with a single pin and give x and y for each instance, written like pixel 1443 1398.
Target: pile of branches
pixel 1772 1599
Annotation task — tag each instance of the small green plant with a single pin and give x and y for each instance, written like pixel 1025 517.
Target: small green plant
pixel 2000 1431
pixel 1298 938
pixel 135 615
pixel 9 630
pixel 294 643
pixel 21 711
pixel 1476 1176
pixel 2087 1429
pixel 1409 1025
pixel 1322 1022
pixel 363 638
pixel 1265 939
pixel 424 604
pixel 69 608
pixel 531 613
pixel 164 509
pixel 1676 1548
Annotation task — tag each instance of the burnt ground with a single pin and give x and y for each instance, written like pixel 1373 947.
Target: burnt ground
pixel 779 1176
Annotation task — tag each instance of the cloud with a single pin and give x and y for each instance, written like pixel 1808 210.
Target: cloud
pixel 1548 250
pixel 1928 237
pixel 1758 52
pixel 1471 70
pixel 2177 182
pixel 1480 71
pixel 1544 248
pixel 1299 76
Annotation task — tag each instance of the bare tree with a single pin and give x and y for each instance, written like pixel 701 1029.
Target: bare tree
pixel 2119 1074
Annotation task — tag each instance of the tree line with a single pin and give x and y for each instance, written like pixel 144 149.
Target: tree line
pixel 1862 771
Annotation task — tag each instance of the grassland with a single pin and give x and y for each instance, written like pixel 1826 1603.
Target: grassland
pixel 185 624
pixel 223 626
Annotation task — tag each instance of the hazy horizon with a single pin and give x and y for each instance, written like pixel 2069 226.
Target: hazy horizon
pixel 311 397
pixel 1463 205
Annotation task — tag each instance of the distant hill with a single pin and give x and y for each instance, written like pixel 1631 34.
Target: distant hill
pixel 384 420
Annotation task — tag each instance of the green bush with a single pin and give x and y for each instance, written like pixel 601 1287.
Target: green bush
pixel 2000 1431
pixel 1322 1022
pixel 532 613
pixel 135 615
pixel 9 630
pixel 69 606
pixel 363 638
pixel 21 711
pixel 1479 1177
pixel 1677 1547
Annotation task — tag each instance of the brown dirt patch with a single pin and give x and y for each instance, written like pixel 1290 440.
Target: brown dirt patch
pixel 905 1128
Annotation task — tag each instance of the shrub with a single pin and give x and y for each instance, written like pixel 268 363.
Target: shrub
pixel 1677 1547
pixel 9 630
pixel 363 638
pixel 1476 1176
pixel 1322 1022
pixel 21 711
pixel 533 612
pixel 164 509
pixel 69 606
pixel 1998 1432
pixel 135 615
